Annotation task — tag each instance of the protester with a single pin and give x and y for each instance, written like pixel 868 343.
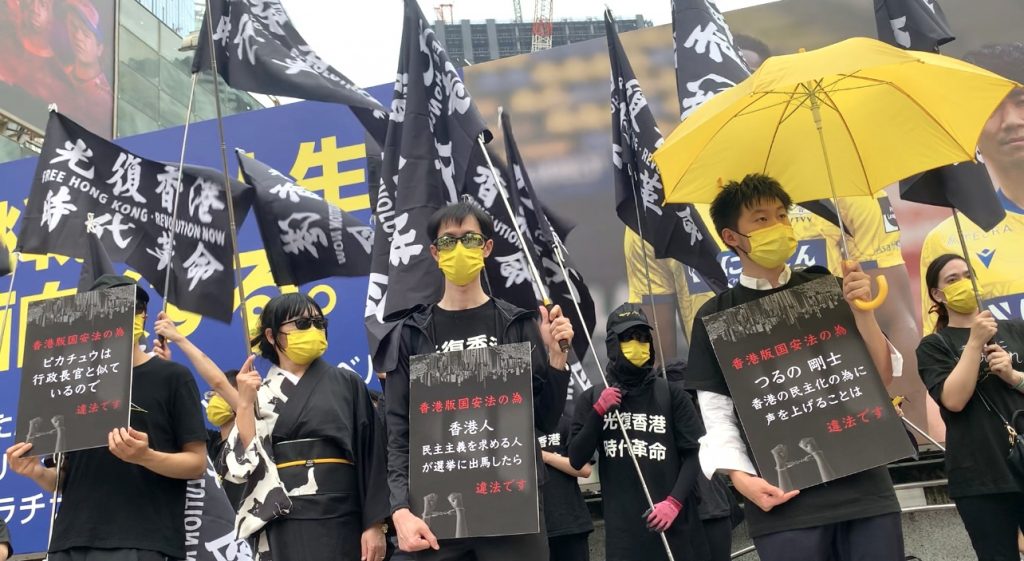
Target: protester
pixel 972 366
pixel 6 551
pixel 663 428
pixel 858 515
pixel 139 481
pixel 461 234
pixel 995 253
pixel 719 512
pixel 566 516
pixel 306 443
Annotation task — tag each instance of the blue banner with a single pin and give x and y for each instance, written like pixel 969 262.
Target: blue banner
pixel 321 145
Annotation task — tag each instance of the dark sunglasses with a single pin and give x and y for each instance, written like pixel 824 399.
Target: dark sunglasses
pixel 305 323
pixel 636 334
pixel 470 240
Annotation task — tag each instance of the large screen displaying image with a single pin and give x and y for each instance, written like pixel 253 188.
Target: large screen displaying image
pixel 58 51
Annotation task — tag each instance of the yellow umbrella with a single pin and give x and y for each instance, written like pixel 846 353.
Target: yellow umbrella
pixel 845 120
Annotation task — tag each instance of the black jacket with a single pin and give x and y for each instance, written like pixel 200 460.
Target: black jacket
pixel 517 326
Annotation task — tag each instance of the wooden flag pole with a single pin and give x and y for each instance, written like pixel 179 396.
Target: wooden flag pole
pixel 227 181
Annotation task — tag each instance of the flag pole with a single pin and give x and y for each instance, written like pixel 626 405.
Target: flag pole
pixel 58 458
pixel 541 288
pixel 967 259
pixel 227 180
pixel 544 295
pixel 177 193
pixel 15 260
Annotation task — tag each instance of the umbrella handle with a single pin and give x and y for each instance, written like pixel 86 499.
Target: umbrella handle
pixel 883 292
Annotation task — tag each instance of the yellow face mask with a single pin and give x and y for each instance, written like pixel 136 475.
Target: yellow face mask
pixel 771 247
pixel 138 328
pixel 461 265
pixel 636 352
pixel 305 345
pixel 218 411
pixel 960 296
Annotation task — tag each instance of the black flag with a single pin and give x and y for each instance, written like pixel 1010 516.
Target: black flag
pixel 6 264
pixel 96 263
pixel 305 237
pixel 132 203
pixel 433 129
pixel 912 24
pixel 259 50
pixel 707 62
pixel 967 187
pixel 672 230
pixel 210 522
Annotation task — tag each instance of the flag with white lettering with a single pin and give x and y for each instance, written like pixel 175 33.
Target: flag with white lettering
pixel 259 50
pixel 912 24
pixel 210 522
pixel 432 131
pixel 305 237
pixel 131 200
pixel 672 230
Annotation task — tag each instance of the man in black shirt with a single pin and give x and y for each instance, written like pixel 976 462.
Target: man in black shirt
pixel 855 517
pixel 127 501
pixel 466 318
pixel 567 518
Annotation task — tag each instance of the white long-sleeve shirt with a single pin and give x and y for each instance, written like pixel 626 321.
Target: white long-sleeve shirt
pixel 722 448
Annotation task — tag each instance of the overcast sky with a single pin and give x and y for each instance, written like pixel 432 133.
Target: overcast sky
pixel 360 37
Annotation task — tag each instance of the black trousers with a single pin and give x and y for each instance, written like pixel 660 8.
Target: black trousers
pixel 877 538
pixel 533 547
pixel 992 522
pixel 571 547
pixel 718 532
pixel 94 554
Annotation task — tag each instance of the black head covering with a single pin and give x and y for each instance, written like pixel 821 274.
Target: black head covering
pixel 110 281
pixel 624 373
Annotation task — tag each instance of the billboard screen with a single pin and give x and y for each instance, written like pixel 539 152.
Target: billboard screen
pixel 58 51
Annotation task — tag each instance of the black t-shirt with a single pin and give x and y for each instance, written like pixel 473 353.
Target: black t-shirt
pixel 976 441
pixel 108 503
pixel 458 330
pixel 565 511
pixel 864 494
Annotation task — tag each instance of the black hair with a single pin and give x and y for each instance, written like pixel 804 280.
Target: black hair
pixel 457 213
pixel 931 280
pixel 735 196
pixel 279 310
pixel 1005 59
pixel 748 43
pixel 232 376
pixel 675 371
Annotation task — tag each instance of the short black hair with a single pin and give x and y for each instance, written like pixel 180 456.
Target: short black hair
pixel 232 376
pixel 737 195
pixel 457 213
pixel 279 310
pixel 748 43
pixel 1005 59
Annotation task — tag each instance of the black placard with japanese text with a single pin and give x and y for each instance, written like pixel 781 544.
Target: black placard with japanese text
pixel 809 397
pixel 472 461
pixel 77 372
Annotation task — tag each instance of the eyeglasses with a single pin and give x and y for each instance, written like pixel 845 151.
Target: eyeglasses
pixel 470 240
pixel 305 323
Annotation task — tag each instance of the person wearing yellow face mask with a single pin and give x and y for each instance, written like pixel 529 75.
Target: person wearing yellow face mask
pixel 751 217
pixel 307 444
pixel 466 317
pixel 973 366
pixel 664 429
pixel 139 480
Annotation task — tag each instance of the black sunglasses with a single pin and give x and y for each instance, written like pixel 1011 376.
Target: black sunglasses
pixel 305 323
pixel 470 240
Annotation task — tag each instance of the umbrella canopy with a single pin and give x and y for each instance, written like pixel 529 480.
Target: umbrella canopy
pixel 859 115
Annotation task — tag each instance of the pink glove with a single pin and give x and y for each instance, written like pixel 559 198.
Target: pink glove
pixel 609 400
pixel 663 515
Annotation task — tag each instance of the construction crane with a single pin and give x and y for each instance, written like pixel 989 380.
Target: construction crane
pixel 542 10
pixel 443 13
pixel 517 9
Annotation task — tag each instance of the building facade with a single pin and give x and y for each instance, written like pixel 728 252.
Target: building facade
pixel 472 43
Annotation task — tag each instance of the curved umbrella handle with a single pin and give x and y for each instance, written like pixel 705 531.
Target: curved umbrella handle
pixel 883 292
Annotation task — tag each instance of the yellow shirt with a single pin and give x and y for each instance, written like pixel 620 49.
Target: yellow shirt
pixel 870 219
pixel 996 256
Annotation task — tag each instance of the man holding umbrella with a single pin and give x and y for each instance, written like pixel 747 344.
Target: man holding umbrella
pixel 856 516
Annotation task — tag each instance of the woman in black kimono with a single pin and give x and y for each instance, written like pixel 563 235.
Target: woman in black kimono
pixel 307 445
